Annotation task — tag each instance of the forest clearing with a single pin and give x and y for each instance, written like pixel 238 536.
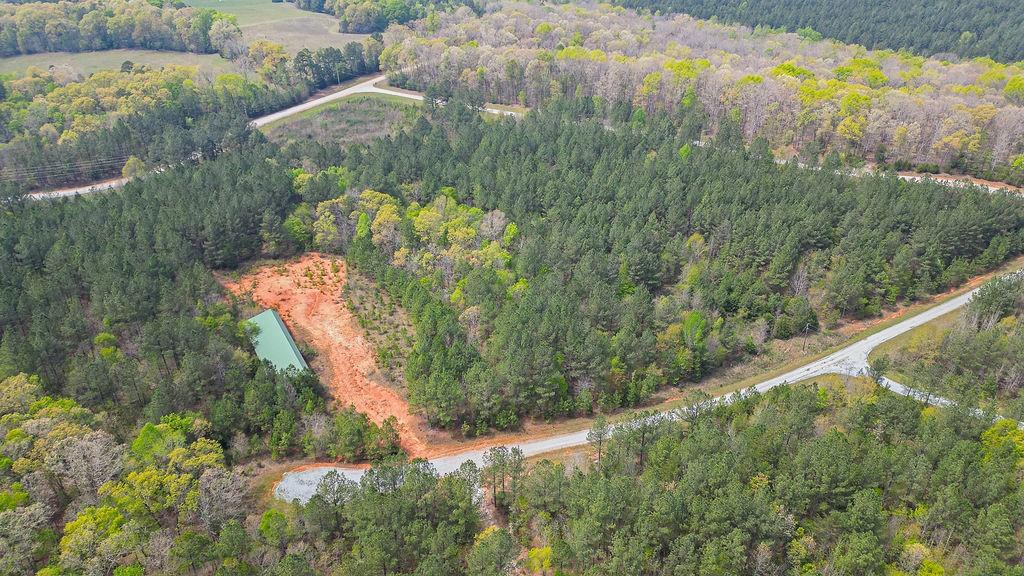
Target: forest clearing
pixel 306 292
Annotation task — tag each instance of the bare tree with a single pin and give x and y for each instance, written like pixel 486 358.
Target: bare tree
pixel 87 462
pixel 222 496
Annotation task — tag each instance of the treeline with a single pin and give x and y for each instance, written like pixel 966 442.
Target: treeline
pixel 636 260
pixel 803 95
pixel 979 359
pixel 803 480
pixel 810 479
pixel 365 16
pixel 971 28
pixel 32 27
pixel 164 498
pixel 57 130
pixel 110 302
pixel 56 135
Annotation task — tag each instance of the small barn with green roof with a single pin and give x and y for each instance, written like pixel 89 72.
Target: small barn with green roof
pixel 274 342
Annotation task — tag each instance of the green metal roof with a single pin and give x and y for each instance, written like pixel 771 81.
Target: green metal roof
pixel 274 342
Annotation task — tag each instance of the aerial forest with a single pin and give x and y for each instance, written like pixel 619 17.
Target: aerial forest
pixel 804 95
pixel 972 28
pixel 58 128
pixel 595 219
pixel 624 259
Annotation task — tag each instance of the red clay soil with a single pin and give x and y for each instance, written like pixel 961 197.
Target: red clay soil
pixel 306 292
pixel 965 179
pixel 312 308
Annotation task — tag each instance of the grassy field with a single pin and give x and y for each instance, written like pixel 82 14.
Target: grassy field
pixel 357 119
pixel 283 23
pixel 259 19
pixel 88 62
pixel 251 11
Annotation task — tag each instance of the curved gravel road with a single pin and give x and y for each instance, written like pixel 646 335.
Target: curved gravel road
pixel 851 360
pixel 368 86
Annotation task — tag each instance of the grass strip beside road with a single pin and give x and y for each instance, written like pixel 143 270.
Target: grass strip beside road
pixel 306 114
pixel 908 313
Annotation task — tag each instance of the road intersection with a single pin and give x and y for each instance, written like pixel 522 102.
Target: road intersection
pixel 851 360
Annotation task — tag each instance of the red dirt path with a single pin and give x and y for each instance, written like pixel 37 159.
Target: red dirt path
pixel 307 294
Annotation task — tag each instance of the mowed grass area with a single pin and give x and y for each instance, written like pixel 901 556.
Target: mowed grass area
pixel 283 23
pixel 357 119
pixel 251 11
pixel 86 63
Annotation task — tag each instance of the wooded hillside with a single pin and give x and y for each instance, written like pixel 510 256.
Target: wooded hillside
pixel 637 260
pixel 802 95
pixel 968 28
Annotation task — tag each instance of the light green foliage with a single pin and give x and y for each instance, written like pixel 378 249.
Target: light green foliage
pixel 862 70
pixel 650 85
pixel 19 392
pixel 370 201
pixel 273 528
pixel 151 495
pixel 13 497
pixel 509 235
pixel 156 441
pixel 580 53
pixel 854 103
pixel 1014 90
pixel 362 225
pixel 133 168
pixel 789 68
pixel 129 570
pixel 750 80
pixel 809 34
pixel 538 560
pixel 87 533
pixel 299 225
pixel 1003 434
pixel 686 68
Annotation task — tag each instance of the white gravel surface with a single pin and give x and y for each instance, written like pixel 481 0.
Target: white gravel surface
pixel 851 360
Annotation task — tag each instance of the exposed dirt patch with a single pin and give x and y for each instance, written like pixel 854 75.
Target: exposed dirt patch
pixel 432 443
pixel 307 294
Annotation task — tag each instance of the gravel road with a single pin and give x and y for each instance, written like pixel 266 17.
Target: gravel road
pixel 850 360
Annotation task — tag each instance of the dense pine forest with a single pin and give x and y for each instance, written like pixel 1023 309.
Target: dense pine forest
pixel 638 260
pixel 973 28
pixel 807 480
pixel 631 236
